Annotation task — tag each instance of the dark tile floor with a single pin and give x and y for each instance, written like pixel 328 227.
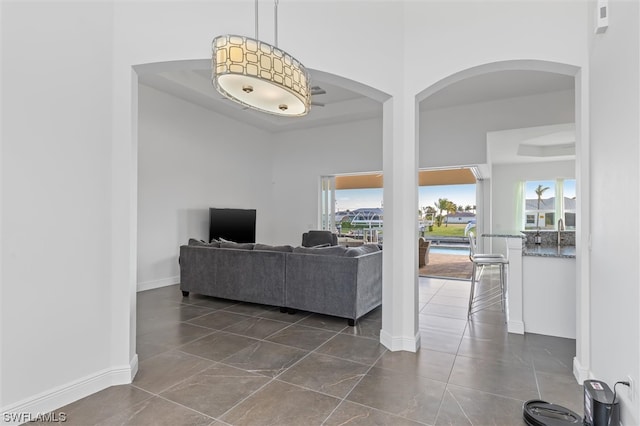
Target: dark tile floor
pixel 206 361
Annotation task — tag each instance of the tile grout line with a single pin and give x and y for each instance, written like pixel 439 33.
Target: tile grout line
pixel 375 409
pixel 171 401
pixel 446 387
pixel 497 395
pixel 355 385
pixel 274 378
pixel 335 334
pixel 535 377
pixel 278 376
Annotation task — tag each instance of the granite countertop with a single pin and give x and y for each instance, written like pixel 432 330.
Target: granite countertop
pixel 568 252
pixel 505 234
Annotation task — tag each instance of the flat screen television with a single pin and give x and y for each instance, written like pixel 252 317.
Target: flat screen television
pixel 237 225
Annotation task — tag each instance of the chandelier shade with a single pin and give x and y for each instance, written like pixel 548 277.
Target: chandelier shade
pixel 260 76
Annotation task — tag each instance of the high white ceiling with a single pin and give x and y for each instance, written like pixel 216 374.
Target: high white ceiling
pixel 532 144
pixel 539 144
pixel 191 81
pixel 497 85
pixel 337 105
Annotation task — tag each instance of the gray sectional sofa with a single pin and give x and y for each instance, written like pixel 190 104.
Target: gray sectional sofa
pixel 338 281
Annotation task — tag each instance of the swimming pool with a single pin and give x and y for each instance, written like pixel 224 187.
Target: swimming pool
pixel 461 251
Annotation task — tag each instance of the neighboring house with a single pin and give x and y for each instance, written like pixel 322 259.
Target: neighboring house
pixel 460 217
pixel 344 216
pixel 368 216
pixel 547 213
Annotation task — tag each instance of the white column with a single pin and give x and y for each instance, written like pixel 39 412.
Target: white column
pixel 515 321
pixel 124 185
pixel 582 360
pixel 400 269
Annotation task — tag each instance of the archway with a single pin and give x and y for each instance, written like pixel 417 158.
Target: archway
pixel 194 75
pixel 581 361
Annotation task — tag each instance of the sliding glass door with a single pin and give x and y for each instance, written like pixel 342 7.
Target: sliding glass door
pixel 328 203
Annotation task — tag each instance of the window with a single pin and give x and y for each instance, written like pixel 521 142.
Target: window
pixel 546 200
pixel 530 220
pixel 569 207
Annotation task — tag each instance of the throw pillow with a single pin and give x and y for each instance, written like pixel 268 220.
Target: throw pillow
pixel 267 247
pixel 359 251
pixel 237 246
pixel 323 251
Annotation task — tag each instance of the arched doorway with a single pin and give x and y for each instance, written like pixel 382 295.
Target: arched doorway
pixel 237 153
pixel 429 154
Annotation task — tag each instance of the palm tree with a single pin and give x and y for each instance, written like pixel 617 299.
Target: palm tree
pixel 442 205
pixel 451 209
pixel 428 210
pixel 539 191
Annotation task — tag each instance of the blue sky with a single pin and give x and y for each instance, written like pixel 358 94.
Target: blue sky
pixel 530 187
pixel 351 199
pixel 461 195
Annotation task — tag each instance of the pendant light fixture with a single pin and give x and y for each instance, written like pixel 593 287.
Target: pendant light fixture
pixel 259 75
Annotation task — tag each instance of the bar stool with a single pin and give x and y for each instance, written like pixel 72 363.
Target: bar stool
pixel 482 260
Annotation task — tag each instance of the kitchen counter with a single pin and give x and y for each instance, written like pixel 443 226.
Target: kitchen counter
pixel 549 251
pixel 534 273
pixel 506 234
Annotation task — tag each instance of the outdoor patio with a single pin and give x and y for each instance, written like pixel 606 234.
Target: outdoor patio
pixel 447 266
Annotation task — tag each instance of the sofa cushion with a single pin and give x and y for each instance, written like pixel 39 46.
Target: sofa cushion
pixel 322 251
pixel 194 242
pixel 237 246
pixel 363 249
pixel 267 247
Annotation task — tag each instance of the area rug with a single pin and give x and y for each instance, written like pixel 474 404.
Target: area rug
pixel 447 266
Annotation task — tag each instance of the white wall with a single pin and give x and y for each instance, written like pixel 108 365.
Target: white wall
pixel 615 108
pixel 442 38
pixel 56 218
pixel 190 159
pixel 458 135
pixel 91 127
pixel 302 156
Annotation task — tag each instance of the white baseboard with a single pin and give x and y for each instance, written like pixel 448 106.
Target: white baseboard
pixel 579 372
pixel 400 343
pixel 60 396
pixel 516 327
pixel 134 368
pixel 150 285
